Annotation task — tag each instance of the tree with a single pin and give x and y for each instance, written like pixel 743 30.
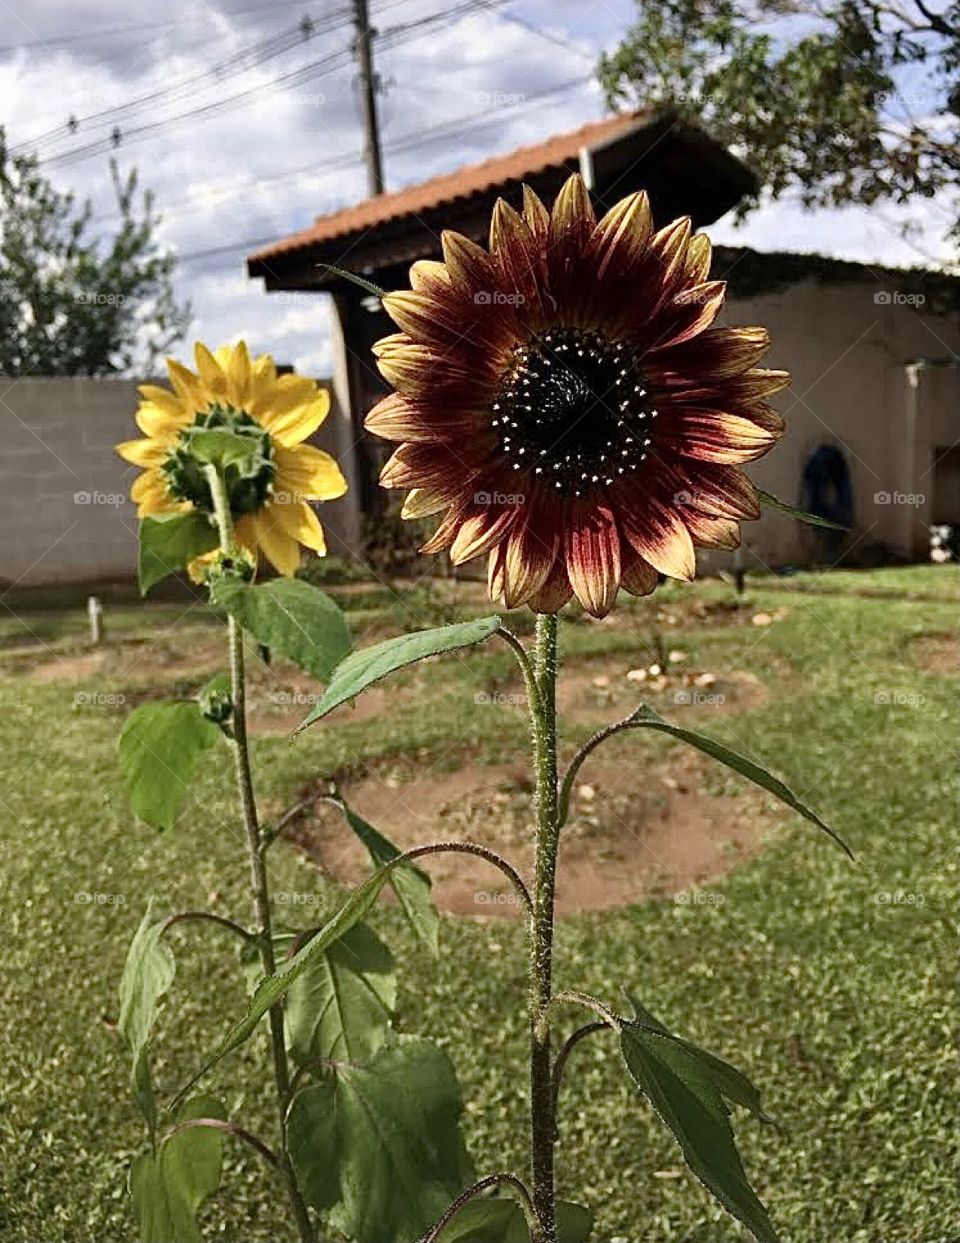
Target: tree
pixel 851 102
pixel 71 303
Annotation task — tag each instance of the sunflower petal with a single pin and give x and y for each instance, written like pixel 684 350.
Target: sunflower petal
pixel 638 576
pixel 555 592
pixel 592 553
pixel 280 549
pixel 713 436
pixel 296 425
pixel 707 532
pixel 656 531
pixel 143 452
pixel 309 473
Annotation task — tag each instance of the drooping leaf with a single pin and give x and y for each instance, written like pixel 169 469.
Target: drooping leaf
pixel 646 717
pixel 378 1147
pixel 410 884
pixel 801 515
pixel 368 665
pixel 501 1220
pixel 168 1187
pixel 354 279
pixel 168 542
pixel 160 746
pixel 291 617
pixel 688 1101
pixel 341 1005
pixel 147 976
pixel 273 987
pixel 730 1082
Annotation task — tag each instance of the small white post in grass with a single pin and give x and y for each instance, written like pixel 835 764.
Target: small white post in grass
pixel 95 616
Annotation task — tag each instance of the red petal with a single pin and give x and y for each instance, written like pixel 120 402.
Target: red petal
pixel 714 354
pixel 638 577
pixel 396 417
pixel 482 527
pixel 531 551
pixel 592 552
pixel 713 436
pixel 555 592
pixel 709 532
pixel 655 530
pixel 721 491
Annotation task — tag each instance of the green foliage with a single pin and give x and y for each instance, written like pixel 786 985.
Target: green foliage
pixel 147 976
pixel 70 303
pixel 851 103
pixel 410 884
pixel 169 542
pixel 341 1006
pixel 499 1220
pixel 687 1092
pixel 169 1186
pixel 801 515
pixel 291 618
pixel 378 1147
pixel 160 747
pixel 370 664
pixel 645 717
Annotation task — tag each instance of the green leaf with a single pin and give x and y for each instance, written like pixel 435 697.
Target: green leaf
pixel 379 1147
pixel 272 988
pixel 500 1220
pixel 341 1006
pixel 169 542
pixel 409 883
pixel 801 516
pixel 160 746
pixel 730 1082
pixel 686 1097
pixel 169 1187
pixel 646 717
pixel 370 664
pixel 147 976
pixel 354 279
pixel 289 616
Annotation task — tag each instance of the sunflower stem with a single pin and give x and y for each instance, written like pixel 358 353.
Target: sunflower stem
pixel 543 720
pixel 258 868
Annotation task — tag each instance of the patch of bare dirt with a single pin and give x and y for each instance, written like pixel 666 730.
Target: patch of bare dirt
pixel 632 832
pixel 137 661
pixel 937 653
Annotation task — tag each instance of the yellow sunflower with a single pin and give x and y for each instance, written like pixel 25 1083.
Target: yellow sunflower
pixel 270 490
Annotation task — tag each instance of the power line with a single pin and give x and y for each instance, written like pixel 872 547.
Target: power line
pixel 246 58
pixel 390 38
pixel 408 142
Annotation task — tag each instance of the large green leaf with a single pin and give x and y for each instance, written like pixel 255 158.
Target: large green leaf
pixel 730 1082
pixel 291 617
pixel 341 1006
pixel 378 1147
pixel 169 542
pixel 499 1220
pixel 766 498
pixel 370 664
pixel 685 1095
pixel 147 976
pixel 646 717
pixel 272 988
pixel 160 746
pixel 409 883
pixel 168 1187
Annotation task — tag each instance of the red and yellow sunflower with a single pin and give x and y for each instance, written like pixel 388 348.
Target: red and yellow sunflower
pixel 563 399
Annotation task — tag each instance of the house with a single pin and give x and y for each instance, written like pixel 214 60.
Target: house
pixel 874 408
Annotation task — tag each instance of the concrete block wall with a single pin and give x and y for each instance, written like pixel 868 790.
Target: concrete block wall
pixel 64 512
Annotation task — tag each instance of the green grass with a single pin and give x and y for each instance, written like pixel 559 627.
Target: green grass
pixel 842 1006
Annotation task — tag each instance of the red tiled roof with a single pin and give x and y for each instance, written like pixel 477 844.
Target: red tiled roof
pixel 460 184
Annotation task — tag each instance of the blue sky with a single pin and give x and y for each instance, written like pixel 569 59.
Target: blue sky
pixel 276 146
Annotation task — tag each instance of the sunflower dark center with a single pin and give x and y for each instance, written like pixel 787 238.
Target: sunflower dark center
pixel 574 409
pixel 249 470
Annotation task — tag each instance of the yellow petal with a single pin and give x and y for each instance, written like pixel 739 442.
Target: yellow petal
pixel 149 492
pixel 157 424
pixel 282 551
pixel 263 377
pixel 238 375
pixel 188 387
pixel 422 502
pixel 211 372
pixel 301 422
pixel 142 452
pixel 285 394
pixel 168 402
pixel 309 473
pixel 302 524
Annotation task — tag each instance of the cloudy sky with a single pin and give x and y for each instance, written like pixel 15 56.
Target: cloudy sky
pixel 246 128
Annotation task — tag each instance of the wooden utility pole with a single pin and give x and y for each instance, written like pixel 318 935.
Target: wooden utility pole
pixel 369 85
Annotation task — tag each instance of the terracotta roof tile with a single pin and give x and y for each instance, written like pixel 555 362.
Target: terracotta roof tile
pixel 463 182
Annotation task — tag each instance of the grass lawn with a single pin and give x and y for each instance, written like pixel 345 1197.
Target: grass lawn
pixel 833 985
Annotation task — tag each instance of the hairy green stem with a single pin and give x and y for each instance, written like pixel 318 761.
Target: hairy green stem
pixel 258 868
pixel 543 719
